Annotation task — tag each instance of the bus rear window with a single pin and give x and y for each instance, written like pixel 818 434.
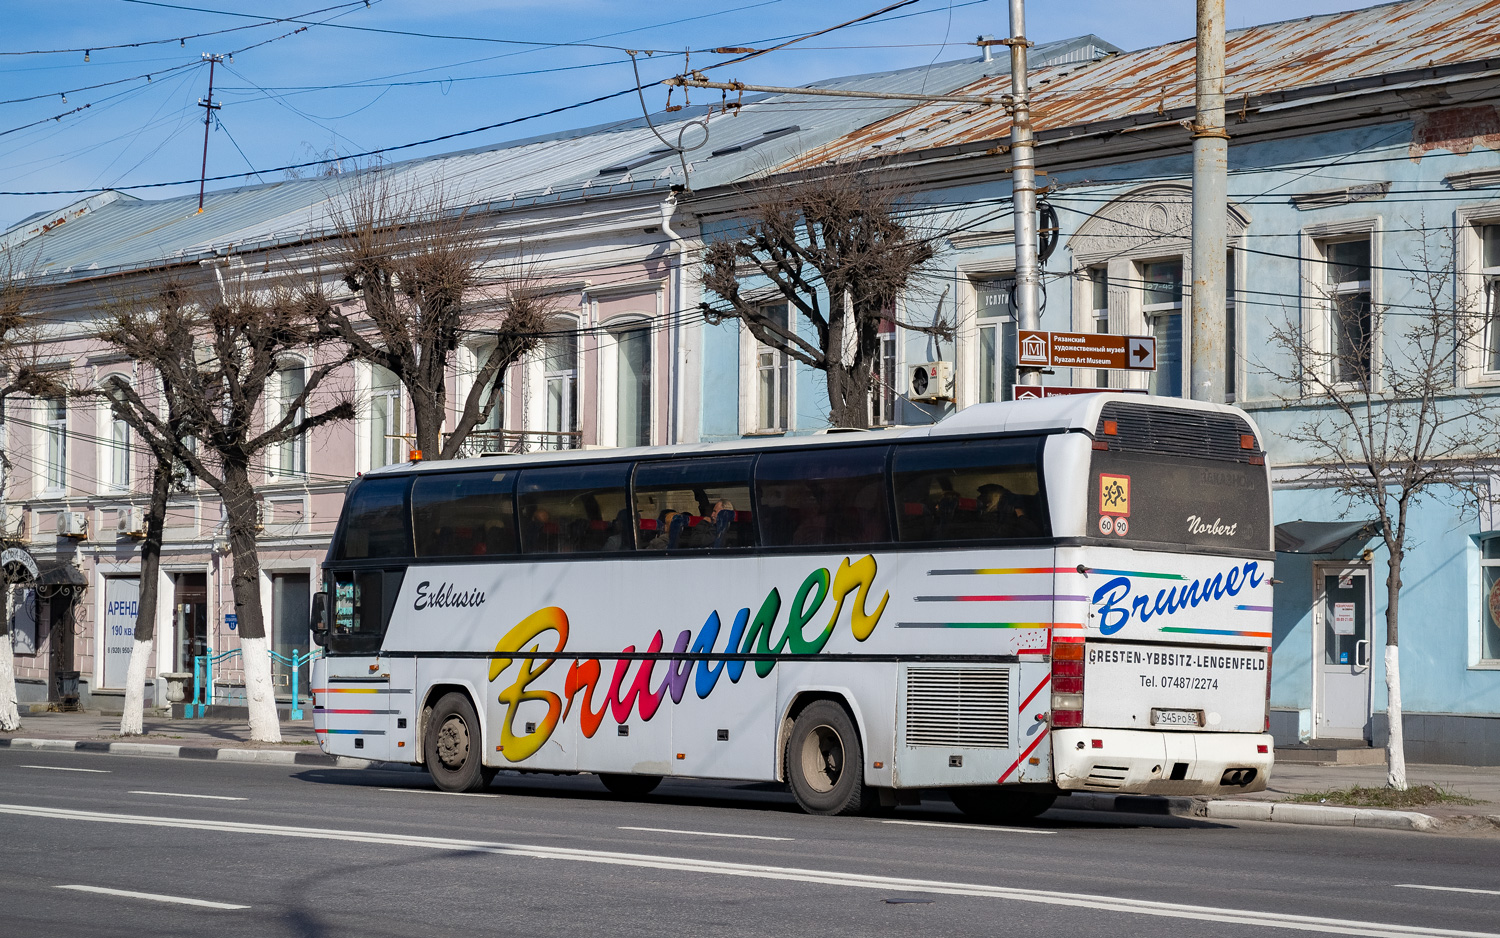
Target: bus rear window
pixel 576 509
pixel 973 490
pixel 464 514
pixel 375 521
pixel 818 496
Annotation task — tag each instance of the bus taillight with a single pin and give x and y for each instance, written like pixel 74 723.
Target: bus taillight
pixel 1067 684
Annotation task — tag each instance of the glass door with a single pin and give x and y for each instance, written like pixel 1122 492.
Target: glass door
pixel 1343 624
pixel 291 608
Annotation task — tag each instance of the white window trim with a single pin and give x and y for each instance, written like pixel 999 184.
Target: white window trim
pixel 1317 311
pixel 104 445
pixel 967 322
pixel 45 489
pixel 749 349
pixel 1470 249
pixel 897 339
pixel 1144 312
pixel 534 374
pixel 364 382
pixel 1477 563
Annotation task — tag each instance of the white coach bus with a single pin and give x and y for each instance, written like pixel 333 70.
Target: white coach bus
pixel 1027 598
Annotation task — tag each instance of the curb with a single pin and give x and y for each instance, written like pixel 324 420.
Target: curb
pixel 210 753
pixel 1274 811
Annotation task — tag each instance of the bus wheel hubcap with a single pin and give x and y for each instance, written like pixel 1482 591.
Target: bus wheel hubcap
pixel 822 758
pixel 453 743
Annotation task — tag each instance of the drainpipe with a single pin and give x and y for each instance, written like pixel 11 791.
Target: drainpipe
pixel 1210 208
pixel 674 301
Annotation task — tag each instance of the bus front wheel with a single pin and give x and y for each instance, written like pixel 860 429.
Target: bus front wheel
pixel 452 746
pixel 1001 805
pixel 825 762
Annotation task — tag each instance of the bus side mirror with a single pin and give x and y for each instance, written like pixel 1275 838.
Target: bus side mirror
pixel 319 623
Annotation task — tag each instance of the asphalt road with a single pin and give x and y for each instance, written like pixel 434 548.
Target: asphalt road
pixel 96 845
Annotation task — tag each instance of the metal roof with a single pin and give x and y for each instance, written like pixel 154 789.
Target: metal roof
pixel 1333 55
pixel 113 231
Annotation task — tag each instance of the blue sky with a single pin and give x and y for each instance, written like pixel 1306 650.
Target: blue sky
pixel 332 89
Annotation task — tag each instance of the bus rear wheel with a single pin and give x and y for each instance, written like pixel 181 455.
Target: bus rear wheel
pixel 1001 805
pixel 452 746
pixel 825 762
pixel 630 786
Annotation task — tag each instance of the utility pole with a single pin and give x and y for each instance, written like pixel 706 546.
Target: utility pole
pixel 1210 209
pixel 209 107
pixel 1023 185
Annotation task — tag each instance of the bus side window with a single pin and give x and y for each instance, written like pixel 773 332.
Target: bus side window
pixel 576 509
pixel 375 521
pixel 969 490
pixel 694 504
pixel 823 496
pixel 464 514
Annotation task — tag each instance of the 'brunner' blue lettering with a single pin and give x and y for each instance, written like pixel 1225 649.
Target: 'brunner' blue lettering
pixel 1115 606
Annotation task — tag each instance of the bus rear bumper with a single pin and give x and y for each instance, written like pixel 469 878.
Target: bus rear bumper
pixel 1157 763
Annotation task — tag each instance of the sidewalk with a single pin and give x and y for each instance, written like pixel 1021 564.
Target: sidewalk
pixel 229 740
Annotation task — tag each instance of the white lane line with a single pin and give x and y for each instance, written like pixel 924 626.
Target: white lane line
pixel 179 794
pixel 1256 917
pixel 969 827
pixel 154 897
pixel 668 830
pixel 1482 892
pixel 452 794
pixel 64 768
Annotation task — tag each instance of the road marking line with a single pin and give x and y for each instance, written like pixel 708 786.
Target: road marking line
pixel 64 768
pixel 668 830
pixel 1310 923
pixel 969 827
pixel 154 897
pixel 454 794
pixel 178 794
pixel 1482 892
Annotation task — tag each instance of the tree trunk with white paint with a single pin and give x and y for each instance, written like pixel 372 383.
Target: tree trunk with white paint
pixel 255 646
pixel 1395 747
pixel 132 720
pixel 10 717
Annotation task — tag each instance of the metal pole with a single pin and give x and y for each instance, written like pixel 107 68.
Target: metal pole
pixel 1210 209
pixel 1023 185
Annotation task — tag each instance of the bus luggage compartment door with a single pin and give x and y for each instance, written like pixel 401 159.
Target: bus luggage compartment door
pixel 353 716
pixel 956 725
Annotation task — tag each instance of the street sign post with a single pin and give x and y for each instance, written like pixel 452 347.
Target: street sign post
pixel 1086 350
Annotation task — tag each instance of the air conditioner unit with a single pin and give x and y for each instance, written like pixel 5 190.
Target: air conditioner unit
pixel 930 382
pixel 73 524
pixel 132 522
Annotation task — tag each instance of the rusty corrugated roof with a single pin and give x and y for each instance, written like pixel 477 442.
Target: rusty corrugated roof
pixel 1148 85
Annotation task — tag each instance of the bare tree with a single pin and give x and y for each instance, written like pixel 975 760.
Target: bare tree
pixel 20 373
pixel 417 263
pixel 168 474
pixel 1387 423
pixel 216 358
pixel 835 239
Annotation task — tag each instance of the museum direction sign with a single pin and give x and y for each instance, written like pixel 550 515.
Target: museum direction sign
pixel 1086 350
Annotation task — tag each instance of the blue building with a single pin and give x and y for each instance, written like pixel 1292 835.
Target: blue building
pixel 1363 178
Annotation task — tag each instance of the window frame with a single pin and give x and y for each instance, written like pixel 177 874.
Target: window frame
pixel 754 367
pixel 295 449
pixel 1003 326
pixel 1473 281
pixel 1153 311
pixel 1318 311
pixel 1477 657
pixel 54 432
pixel 567 378
pixel 395 403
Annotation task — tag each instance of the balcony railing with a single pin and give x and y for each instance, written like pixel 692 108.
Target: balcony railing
pixel 494 442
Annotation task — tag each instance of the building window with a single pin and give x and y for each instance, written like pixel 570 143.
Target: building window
pixel 560 378
pixel 385 417
pixel 1350 323
pixel 773 377
pixel 1162 306
pixel 1099 311
pixel 883 394
pixel 118 477
pixel 633 388
pixel 1490 236
pixel 55 419
pixel 997 339
pixel 291 456
pixel 1489 598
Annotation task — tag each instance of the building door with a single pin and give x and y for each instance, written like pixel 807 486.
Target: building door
pixel 189 623
pixel 1341 620
pixel 58 614
pixel 291 610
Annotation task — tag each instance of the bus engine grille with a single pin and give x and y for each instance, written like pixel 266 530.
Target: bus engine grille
pixel 966 707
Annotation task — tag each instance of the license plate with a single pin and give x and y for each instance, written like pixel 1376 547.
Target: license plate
pixel 1177 717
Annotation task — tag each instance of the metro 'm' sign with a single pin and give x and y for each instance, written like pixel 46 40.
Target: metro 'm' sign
pixel 1086 350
